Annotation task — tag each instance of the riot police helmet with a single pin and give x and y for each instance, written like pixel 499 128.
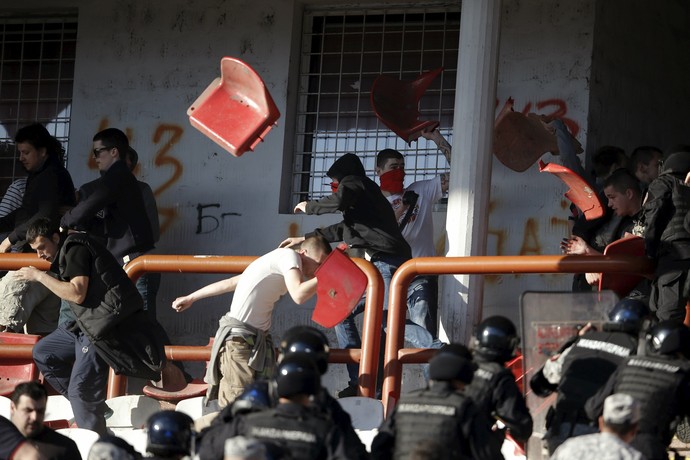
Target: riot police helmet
pixel 170 433
pixel 452 362
pixel 256 397
pixel 669 338
pixel 309 340
pixel 496 339
pixel 297 374
pixel 628 315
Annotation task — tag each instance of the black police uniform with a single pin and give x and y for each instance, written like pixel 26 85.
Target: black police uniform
pixel 441 413
pixel 330 407
pixel 295 429
pixel 494 391
pixel 212 439
pixel 590 361
pixel 661 384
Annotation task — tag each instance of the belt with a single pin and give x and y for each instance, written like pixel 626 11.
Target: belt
pixel 239 339
pixel 127 258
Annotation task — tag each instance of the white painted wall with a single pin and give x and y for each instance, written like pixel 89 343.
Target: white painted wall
pixel 141 64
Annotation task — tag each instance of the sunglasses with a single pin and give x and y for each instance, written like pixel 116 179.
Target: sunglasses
pixel 98 151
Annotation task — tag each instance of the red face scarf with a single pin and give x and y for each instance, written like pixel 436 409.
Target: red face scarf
pixel 392 181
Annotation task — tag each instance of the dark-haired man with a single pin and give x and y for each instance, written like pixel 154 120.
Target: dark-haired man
pixel 624 196
pixel 49 188
pixel 27 412
pixel 104 327
pixel 117 195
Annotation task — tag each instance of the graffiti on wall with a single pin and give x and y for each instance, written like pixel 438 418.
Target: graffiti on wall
pixel 554 108
pixel 214 221
pixel 165 136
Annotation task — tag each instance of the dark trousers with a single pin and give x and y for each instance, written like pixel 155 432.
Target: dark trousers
pixel 70 364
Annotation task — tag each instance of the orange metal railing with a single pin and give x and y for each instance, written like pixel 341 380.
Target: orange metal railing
pixel 371 338
pixel 396 355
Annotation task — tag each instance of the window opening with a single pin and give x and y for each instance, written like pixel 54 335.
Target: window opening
pixel 342 53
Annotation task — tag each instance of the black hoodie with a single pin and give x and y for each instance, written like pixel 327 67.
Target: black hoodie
pixel 368 218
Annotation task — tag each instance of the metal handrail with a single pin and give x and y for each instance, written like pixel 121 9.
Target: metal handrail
pixel 396 355
pixel 371 339
pixel 373 316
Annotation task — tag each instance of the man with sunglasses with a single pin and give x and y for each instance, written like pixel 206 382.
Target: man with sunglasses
pixel 116 199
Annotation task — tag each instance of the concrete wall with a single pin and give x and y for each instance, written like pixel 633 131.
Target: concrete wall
pixel 640 66
pixel 544 66
pixel 141 64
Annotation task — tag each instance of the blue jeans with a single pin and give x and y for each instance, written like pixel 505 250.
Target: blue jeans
pixel 417 335
pixel 70 364
pixel 148 285
pixel 422 303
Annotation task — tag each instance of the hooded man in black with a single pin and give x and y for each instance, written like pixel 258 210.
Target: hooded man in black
pixel 368 220
pixel 368 223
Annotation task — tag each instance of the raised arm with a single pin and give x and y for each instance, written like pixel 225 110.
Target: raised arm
pixel 220 287
pixel 436 137
pixel 299 290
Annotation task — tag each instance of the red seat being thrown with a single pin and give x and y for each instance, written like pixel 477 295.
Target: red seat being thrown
pixel 236 111
pixel 396 104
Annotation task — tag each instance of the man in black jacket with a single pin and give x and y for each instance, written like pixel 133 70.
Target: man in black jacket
pixel 369 224
pixel 49 187
pixel 117 195
pixel 105 326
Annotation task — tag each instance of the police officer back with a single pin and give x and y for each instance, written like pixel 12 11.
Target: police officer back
pixel 293 427
pixel 660 380
pixel 256 397
pixel 583 366
pixel 311 342
pixel 493 387
pixel 441 414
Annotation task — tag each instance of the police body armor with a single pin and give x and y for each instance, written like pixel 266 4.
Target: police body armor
pixel 674 241
pixel 589 364
pixel 654 381
pixel 432 413
pixel 296 429
pixel 485 380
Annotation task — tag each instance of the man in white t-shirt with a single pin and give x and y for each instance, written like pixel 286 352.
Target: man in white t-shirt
pixel 243 349
pixel 413 206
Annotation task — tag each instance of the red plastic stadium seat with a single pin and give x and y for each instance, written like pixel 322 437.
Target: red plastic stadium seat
pixel 14 371
pixel 396 104
pixel 174 388
pixel 236 111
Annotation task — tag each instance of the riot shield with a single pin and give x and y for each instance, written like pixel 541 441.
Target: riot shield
pixel 547 321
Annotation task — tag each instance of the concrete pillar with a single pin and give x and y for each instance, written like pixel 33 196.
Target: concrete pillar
pixel 470 172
